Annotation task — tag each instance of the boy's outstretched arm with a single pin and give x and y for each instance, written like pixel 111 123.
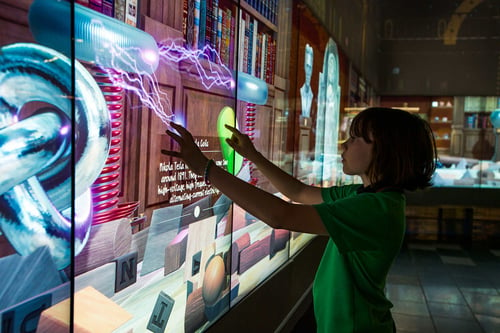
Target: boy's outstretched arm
pixel 265 206
pixel 290 186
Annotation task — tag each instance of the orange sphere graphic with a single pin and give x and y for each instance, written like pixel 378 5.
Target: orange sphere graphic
pixel 213 281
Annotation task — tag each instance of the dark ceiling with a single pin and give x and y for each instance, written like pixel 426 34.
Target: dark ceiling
pixel 471 18
pixel 441 47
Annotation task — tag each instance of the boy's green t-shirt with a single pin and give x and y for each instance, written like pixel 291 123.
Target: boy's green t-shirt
pixel 366 232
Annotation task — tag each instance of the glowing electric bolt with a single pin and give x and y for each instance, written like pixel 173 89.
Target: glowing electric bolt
pixel 146 87
pixel 210 73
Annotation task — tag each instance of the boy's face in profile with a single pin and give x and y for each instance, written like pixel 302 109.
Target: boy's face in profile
pixel 357 157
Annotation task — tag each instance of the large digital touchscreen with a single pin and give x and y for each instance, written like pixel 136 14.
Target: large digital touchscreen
pixel 99 231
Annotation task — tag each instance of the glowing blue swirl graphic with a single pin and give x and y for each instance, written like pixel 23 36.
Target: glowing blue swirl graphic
pixel 35 149
pixel 98 38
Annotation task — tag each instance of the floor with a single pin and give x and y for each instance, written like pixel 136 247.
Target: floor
pixel 441 288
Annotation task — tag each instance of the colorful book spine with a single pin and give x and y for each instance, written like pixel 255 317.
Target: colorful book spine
pixel 96 5
pixel 215 23
pixel 270 59
pixel 483 121
pixel 131 12
pixel 246 37
pixel 119 10
pixel 273 62
pixel 229 25
pixel 83 2
pixel 189 36
pixel 224 36
pixel 250 47
pixel 258 55
pixel 274 10
pixel 265 8
pixel 220 12
pixel 185 7
pixel 196 31
pixel 108 7
pixel 232 40
pixel 264 57
pixel 471 121
pixel 208 24
pixel 255 32
pixel 241 42
pixel 203 24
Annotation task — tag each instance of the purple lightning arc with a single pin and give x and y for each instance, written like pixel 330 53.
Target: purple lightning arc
pixel 146 87
pixel 210 72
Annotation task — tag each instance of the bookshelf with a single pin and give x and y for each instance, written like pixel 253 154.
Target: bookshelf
pixel 122 10
pixel 441 120
pixel 477 111
pixel 243 36
pixel 269 20
pixel 479 138
pixel 477 119
pixel 258 39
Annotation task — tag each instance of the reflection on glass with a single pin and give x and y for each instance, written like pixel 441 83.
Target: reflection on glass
pixel 467 134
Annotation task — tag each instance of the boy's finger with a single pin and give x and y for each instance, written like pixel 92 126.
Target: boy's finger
pixel 182 131
pixel 170 153
pixel 174 125
pixel 232 129
pixel 174 136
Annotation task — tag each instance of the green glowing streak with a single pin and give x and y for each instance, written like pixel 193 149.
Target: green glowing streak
pixel 234 160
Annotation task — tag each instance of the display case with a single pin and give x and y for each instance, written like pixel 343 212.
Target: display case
pixel 469 161
pixel 441 120
pixel 479 138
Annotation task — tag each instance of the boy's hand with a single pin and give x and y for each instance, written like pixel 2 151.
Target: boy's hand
pixel 242 144
pixel 189 152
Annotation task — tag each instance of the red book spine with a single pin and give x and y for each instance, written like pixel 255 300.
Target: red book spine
pixel 83 2
pixel 108 7
pixel 96 5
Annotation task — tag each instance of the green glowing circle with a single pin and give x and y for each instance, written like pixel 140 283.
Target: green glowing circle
pixel 234 160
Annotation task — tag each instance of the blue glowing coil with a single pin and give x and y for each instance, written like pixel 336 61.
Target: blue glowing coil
pixel 29 147
pixel 99 39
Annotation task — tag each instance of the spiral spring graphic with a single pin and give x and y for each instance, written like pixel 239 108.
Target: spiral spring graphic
pixel 106 188
pixel 250 131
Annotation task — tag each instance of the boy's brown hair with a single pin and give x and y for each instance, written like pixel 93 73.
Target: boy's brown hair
pixel 404 149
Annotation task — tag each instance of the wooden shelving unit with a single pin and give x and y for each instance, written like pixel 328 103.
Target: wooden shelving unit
pixel 441 120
